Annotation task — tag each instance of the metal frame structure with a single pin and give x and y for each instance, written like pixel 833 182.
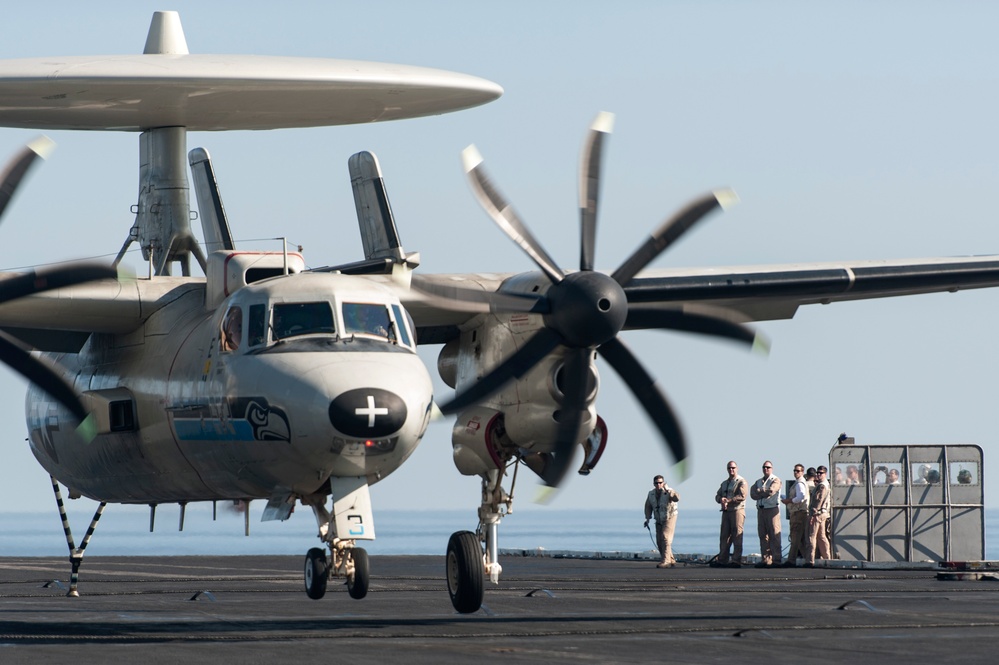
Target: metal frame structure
pixel 907 502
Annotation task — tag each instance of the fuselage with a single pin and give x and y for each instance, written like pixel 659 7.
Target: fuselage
pixel 288 382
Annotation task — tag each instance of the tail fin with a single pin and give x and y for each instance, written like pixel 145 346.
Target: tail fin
pixel 374 214
pixel 214 224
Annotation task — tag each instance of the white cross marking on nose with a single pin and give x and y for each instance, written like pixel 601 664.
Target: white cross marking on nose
pixel 370 411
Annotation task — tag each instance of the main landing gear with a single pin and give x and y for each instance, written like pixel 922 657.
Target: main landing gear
pixel 473 556
pixel 344 561
pixel 465 578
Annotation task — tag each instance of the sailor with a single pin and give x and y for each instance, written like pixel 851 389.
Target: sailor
pixel 661 505
pixel 818 515
pixel 797 509
pixel 731 495
pixel 766 493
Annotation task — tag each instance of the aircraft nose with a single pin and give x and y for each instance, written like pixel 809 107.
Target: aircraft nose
pixel 368 413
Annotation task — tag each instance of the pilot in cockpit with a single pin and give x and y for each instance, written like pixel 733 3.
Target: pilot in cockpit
pixel 366 318
pixel 232 329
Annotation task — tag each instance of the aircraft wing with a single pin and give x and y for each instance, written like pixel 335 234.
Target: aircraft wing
pixel 767 293
pixel 752 293
pixel 63 319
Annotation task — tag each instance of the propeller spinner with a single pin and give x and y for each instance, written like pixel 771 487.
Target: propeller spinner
pixel 585 310
pixel 12 352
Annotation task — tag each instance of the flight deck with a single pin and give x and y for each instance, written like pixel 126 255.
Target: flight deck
pixel 550 609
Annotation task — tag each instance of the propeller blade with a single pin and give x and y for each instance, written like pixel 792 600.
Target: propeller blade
pixel 514 367
pixel 504 216
pixel 576 388
pixel 671 230
pixel 703 323
pixel 646 390
pixel 456 298
pixel 37 281
pixel 18 166
pixel 39 372
pixel 589 187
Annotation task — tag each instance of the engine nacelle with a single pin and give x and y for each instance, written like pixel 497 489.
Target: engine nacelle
pixel 530 404
pixel 475 439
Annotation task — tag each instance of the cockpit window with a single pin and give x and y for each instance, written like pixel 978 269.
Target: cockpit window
pixel 366 319
pixel 307 318
pixel 232 329
pixel 400 322
pixel 257 325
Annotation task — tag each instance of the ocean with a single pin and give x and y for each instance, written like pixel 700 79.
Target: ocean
pixel 124 531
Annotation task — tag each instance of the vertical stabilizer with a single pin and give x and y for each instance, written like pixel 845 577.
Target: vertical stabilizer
pixel 214 224
pixel 379 235
pixel 166 35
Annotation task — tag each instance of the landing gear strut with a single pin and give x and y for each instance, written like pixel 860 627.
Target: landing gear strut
pixel 472 556
pixel 344 561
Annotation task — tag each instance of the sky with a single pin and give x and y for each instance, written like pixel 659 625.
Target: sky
pixel 850 131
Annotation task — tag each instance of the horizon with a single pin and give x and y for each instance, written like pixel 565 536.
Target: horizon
pixel 863 132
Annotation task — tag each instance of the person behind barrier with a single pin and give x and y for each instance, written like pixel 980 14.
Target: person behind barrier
pixel 660 504
pixel 853 475
pixel 797 508
pixel 731 495
pixel 893 477
pixel 766 493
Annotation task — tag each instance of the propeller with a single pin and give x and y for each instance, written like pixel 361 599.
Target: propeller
pixel 584 311
pixel 13 353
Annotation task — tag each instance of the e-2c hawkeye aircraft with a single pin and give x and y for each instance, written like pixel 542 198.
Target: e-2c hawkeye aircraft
pixel 267 380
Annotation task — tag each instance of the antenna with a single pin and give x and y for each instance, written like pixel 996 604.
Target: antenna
pixel 163 212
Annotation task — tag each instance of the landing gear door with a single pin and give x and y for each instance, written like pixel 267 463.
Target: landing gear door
pixel 352 508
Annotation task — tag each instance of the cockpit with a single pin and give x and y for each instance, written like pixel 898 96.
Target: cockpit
pixel 259 321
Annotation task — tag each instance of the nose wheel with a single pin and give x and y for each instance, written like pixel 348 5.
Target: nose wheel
pixel 316 573
pixel 465 572
pixel 357 582
pixel 349 562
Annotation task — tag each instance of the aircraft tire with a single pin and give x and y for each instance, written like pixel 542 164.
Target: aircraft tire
pixel 465 573
pixel 357 584
pixel 315 573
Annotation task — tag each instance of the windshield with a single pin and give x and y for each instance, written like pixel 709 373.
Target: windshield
pixel 307 318
pixel 366 319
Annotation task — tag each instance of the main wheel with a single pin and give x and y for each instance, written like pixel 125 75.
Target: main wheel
pixel 357 584
pixel 315 573
pixel 465 574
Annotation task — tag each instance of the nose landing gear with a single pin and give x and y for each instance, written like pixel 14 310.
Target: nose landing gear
pixel 316 573
pixel 341 559
pixel 349 562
